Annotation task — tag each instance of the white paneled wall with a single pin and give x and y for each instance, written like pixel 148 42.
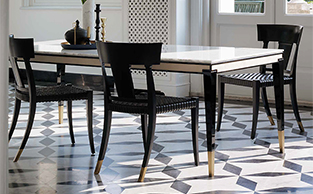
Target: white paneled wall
pixel 3 95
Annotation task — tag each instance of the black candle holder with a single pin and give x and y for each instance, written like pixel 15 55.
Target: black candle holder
pixel 98 10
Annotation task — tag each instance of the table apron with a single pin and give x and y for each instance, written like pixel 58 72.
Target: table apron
pixel 247 63
pixel 164 66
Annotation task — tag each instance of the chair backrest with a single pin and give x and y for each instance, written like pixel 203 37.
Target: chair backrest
pixel 121 56
pixel 22 48
pixel 286 36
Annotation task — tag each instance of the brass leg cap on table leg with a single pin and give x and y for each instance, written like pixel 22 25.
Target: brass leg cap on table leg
pixel 98 167
pixel 17 157
pixel 301 126
pixel 271 120
pixel 281 139
pixel 211 157
pixel 142 174
pixel 61 114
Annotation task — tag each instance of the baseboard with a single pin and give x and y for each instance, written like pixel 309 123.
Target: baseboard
pixel 248 100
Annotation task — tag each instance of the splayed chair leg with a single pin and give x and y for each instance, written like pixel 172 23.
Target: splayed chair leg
pixel 98 166
pixel 211 156
pixel 142 174
pixel 61 108
pixel 281 139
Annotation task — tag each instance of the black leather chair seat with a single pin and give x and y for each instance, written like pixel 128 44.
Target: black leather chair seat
pixel 248 78
pixel 56 93
pixel 163 104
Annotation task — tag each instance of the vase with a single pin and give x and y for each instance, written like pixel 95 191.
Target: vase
pixel 77 35
pixel 88 16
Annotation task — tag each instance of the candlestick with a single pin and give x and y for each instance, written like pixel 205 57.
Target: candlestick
pixel 88 32
pixel 98 10
pixel 103 32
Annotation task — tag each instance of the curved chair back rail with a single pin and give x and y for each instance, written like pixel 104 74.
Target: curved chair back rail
pixel 22 48
pixel 121 56
pixel 286 36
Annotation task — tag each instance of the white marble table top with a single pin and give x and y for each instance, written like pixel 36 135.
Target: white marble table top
pixel 170 53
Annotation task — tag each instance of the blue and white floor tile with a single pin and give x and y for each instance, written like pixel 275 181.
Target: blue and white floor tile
pixel 50 164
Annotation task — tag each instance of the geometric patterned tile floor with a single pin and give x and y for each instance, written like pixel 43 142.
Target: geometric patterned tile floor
pixel 50 164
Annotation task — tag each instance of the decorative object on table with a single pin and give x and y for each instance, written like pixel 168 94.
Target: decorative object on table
pixel 88 16
pixel 103 32
pixel 98 10
pixel 77 35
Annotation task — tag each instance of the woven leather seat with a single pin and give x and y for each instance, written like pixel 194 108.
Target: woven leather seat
pixel 55 94
pixel 247 79
pixel 163 104
pixel 287 36
pixel 24 48
pixel 146 103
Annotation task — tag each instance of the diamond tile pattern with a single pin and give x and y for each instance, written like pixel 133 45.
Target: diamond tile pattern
pixel 50 164
pixel 47 141
pixel 46 151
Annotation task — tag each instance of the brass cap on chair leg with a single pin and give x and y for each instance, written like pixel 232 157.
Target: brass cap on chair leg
pixel 142 174
pixel 211 157
pixel 18 155
pixel 301 126
pixel 98 166
pixel 61 114
pixel 270 118
pixel 281 139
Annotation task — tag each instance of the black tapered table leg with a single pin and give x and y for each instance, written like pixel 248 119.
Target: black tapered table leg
pixel 278 71
pixel 209 79
pixel 60 73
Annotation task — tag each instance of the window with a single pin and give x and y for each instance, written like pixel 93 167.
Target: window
pixel 299 7
pixel 241 6
pixel 66 4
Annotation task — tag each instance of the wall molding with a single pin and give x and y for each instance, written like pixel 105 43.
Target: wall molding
pixel 67 4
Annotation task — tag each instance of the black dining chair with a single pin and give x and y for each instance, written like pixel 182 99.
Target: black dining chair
pixel 23 49
pixel 121 56
pixel 288 38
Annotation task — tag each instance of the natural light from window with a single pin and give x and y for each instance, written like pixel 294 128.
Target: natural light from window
pixel 299 7
pixel 241 6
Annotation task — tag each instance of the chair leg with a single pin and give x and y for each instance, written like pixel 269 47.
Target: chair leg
pixel 194 126
pixel 256 100
pixel 15 117
pixel 149 144
pixel 90 118
pixel 144 129
pixel 70 120
pixel 105 139
pixel 221 93
pixel 266 106
pixel 294 103
pixel 31 116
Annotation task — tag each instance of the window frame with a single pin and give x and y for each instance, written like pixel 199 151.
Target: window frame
pixel 67 4
pixel 220 12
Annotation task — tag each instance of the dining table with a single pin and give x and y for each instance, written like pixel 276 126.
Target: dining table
pixel 205 60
